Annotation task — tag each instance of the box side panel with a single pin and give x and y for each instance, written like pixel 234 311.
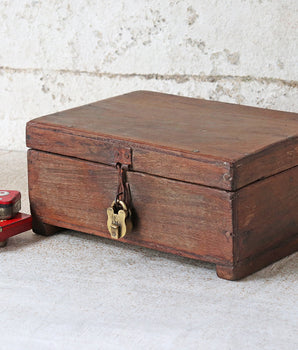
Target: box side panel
pixel 267 214
pixel 273 159
pixel 171 216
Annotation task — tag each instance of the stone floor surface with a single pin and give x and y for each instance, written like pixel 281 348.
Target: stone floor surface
pixel 76 291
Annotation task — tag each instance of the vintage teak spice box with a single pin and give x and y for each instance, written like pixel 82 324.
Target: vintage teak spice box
pixel 206 180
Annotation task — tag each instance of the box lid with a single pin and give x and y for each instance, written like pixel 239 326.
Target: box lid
pixel 210 143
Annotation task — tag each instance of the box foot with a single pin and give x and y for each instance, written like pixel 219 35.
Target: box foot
pixel 230 272
pixel 255 263
pixel 41 228
pixel 44 229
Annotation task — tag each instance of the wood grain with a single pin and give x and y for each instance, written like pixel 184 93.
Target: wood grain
pixel 241 232
pixel 271 160
pixel 265 224
pixel 170 164
pixel 209 180
pixel 266 213
pixel 228 140
pixel 172 216
pixel 255 263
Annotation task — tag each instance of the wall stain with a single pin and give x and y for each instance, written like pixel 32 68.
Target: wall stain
pixel 192 15
pixel 155 76
pixel 200 44
pixel 45 89
pixel 231 57
pixel 280 64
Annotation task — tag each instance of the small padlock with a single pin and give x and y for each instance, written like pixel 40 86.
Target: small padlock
pixel 119 219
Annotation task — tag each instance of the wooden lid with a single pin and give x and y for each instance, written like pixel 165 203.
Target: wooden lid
pixel 210 143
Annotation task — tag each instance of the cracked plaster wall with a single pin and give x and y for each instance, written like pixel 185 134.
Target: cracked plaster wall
pixel 60 54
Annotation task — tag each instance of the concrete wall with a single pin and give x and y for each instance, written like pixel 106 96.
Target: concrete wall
pixel 60 54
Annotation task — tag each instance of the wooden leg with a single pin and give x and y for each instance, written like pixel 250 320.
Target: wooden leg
pixel 256 263
pixel 230 272
pixel 41 228
pixel 44 229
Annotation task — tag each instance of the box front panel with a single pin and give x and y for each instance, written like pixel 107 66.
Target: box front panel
pixel 172 216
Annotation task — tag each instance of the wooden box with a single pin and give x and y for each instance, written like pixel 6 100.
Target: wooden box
pixel 211 181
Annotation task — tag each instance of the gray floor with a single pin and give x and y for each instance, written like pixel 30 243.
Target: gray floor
pixel 76 291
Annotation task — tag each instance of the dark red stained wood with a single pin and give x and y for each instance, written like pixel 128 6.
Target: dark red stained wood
pixel 170 164
pixel 243 218
pixel 266 213
pixel 277 156
pixel 210 143
pixel 265 224
pixel 172 216
pixel 241 232
pixel 257 262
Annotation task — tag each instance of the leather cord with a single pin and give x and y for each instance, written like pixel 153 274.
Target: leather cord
pixel 124 193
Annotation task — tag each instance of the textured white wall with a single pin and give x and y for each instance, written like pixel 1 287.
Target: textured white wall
pixel 60 54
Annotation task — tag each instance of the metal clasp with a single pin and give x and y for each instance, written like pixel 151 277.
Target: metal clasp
pixel 119 214
pixel 119 220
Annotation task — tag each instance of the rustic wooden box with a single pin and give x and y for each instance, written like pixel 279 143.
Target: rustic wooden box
pixel 211 181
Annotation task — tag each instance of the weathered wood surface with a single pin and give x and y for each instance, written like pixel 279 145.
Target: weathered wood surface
pixel 204 142
pixel 170 164
pixel 236 199
pixel 265 224
pixel 257 262
pixel 241 232
pixel 172 216
pixel 266 213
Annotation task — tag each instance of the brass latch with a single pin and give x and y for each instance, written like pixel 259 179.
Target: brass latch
pixel 119 220
pixel 119 213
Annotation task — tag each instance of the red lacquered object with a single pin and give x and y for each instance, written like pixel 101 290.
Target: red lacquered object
pixel 8 228
pixel 10 204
